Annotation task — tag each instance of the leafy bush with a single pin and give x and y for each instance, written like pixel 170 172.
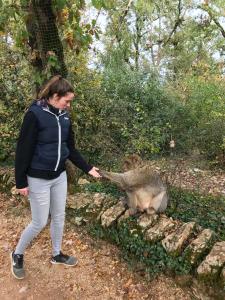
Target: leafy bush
pixel 199 122
pixel 208 100
pixel 6 182
pixel 119 110
pixel 207 211
pixel 122 110
pixel 15 94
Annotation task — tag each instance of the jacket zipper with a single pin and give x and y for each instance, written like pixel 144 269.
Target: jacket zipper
pixel 60 136
pixel 59 144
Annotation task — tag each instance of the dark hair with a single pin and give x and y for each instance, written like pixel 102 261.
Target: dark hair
pixel 56 85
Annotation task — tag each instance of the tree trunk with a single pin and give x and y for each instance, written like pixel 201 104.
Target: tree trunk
pixel 46 47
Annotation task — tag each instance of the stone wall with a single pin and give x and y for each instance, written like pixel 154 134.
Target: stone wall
pixel 205 252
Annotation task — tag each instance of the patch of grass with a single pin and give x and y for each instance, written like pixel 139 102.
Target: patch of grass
pixel 106 187
pixel 207 211
pixel 6 183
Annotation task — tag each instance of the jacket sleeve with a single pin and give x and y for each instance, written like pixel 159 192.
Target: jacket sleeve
pixel 75 155
pixel 25 148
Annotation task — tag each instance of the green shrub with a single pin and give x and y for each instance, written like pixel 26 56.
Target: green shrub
pixel 207 211
pixel 15 95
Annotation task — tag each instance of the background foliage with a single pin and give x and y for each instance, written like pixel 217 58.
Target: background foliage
pixel 145 73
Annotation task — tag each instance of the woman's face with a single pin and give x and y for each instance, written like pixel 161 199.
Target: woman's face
pixel 63 102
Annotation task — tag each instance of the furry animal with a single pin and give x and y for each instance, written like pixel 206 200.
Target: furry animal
pixel 143 186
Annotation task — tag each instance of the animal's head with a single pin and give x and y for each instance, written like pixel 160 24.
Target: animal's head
pixel 131 162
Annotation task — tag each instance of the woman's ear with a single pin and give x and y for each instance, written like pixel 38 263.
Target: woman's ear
pixel 55 97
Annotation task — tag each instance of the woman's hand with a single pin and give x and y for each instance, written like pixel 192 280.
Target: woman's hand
pixel 24 191
pixel 94 172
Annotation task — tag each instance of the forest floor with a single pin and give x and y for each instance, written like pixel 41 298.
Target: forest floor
pixel 101 274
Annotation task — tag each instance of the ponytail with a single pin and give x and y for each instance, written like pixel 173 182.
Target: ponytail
pixel 56 85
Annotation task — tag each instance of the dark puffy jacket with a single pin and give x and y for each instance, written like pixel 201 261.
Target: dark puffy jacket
pixel 51 150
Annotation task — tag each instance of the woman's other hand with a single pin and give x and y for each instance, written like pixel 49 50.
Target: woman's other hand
pixel 24 191
pixel 94 172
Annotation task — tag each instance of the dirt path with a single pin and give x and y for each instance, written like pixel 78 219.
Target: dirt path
pixel 100 273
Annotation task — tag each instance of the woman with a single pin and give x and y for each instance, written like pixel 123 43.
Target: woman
pixel 46 140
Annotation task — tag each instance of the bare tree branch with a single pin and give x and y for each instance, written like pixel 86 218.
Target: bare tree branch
pixel 212 16
pixel 122 18
pixel 177 23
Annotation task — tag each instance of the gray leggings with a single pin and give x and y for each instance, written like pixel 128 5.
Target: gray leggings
pixel 46 196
